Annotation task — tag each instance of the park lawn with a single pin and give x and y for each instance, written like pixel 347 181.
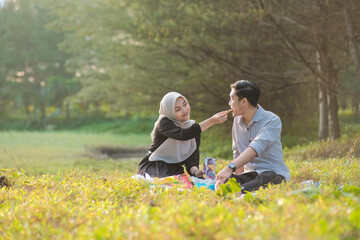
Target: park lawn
pixel 49 152
pixel 83 202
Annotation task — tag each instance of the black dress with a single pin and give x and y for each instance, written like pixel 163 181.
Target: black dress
pixel 167 129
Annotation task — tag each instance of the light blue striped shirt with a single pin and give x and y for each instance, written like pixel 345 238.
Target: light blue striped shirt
pixel 263 134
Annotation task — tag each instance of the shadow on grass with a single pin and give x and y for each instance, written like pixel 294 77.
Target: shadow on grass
pixel 120 153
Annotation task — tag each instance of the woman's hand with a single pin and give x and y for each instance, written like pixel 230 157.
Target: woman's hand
pixel 220 117
pixel 217 118
pixel 195 171
pixel 199 173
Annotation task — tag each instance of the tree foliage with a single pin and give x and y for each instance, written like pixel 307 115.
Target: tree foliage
pixel 145 49
pixel 128 54
pixel 33 76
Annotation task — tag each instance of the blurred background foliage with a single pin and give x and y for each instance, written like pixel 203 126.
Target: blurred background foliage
pixel 104 65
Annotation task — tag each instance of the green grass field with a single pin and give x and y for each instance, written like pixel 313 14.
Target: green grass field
pixel 49 152
pixel 62 193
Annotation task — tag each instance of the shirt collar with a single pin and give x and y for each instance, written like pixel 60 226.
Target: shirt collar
pixel 257 116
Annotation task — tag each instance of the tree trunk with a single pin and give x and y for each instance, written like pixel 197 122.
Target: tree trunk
pixel 67 112
pixel 328 75
pixel 333 108
pixel 332 102
pixel 43 115
pixel 323 114
pixel 354 51
pixel 356 103
pixel 28 113
pixel 331 83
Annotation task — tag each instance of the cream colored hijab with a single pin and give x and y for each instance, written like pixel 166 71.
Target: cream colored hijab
pixel 172 151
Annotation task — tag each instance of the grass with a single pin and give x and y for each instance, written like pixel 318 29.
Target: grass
pixel 95 205
pixel 49 152
pixel 64 194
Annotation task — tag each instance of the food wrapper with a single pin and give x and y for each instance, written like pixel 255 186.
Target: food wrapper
pixel 209 168
pixel 178 181
pixel 204 183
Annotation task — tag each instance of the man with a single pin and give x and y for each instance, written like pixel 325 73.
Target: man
pixel 256 141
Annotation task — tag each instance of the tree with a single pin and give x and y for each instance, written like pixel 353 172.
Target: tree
pixel 135 51
pixel 197 48
pixel 32 66
pixel 353 48
pixel 312 35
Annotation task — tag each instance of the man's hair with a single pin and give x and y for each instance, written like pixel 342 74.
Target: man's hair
pixel 248 90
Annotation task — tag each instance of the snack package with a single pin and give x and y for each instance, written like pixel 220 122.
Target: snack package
pixel 204 183
pixel 179 181
pixel 209 168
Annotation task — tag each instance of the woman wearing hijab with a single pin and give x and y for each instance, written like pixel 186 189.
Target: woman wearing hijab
pixel 176 139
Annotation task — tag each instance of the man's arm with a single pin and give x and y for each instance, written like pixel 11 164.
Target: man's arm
pixel 267 135
pixel 240 161
pixel 239 170
pixel 235 149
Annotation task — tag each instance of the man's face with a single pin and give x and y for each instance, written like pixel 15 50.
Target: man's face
pixel 236 105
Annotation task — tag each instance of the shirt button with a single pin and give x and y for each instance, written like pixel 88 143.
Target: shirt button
pixel 249 140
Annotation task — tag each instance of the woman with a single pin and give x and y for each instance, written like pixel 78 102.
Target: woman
pixel 176 139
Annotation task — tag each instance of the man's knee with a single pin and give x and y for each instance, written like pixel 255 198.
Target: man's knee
pixel 270 177
pixel 277 180
pixel 262 180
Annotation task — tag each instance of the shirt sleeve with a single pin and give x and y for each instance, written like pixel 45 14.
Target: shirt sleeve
pixel 266 136
pixel 170 130
pixel 193 160
pixel 235 148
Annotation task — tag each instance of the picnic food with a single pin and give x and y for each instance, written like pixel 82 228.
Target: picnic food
pixel 179 181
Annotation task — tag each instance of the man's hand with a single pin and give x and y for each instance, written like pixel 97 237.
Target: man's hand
pixel 223 175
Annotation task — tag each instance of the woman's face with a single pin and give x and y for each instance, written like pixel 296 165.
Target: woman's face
pixel 182 110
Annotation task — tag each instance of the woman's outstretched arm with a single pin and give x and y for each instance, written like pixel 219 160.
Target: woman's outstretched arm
pixel 217 118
